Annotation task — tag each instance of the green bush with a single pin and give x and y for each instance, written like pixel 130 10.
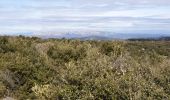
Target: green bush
pixel 33 68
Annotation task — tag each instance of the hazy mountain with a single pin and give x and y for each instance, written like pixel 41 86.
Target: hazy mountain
pixel 151 39
pixel 96 35
pixel 96 38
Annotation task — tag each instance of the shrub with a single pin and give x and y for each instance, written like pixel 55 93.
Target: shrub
pixel 33 68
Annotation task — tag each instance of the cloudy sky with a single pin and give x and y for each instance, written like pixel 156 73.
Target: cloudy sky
pixel 125 16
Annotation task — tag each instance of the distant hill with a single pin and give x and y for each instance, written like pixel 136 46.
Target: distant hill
pixel 96 38
pixel 97 35
pixel 108 36
pixel 151 39
pixel 165 38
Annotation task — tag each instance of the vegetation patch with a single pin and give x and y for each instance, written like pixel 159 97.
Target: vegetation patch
pixel 61 69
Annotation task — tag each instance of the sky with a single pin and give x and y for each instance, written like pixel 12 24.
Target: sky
pixel 57 16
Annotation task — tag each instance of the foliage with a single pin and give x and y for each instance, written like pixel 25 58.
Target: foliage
pixel 33 68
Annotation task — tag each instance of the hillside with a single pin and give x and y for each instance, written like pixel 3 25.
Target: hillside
pixel 165 38
pixel 62 69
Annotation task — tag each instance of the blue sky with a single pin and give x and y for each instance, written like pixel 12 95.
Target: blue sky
pixel 57 16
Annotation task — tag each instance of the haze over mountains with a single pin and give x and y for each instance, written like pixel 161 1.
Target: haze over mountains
pixel 105 35
pixel 95 35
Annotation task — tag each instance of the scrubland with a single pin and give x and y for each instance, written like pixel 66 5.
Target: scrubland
pixel 62 69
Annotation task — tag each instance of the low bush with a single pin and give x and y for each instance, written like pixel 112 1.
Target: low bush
pixel 33 68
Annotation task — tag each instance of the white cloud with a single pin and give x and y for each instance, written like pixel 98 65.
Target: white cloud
pixel 80 15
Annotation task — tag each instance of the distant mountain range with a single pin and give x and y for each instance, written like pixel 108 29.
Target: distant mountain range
pixel 107 36
pixel 99 35
pixel 151 39
pixel 96 38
